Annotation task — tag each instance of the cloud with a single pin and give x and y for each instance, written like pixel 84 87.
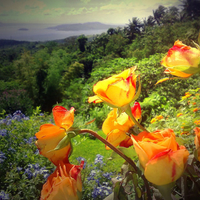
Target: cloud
pixel 85 1
pixel 22 6
pixel 74 11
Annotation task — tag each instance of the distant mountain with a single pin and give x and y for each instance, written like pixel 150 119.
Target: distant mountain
pixel 23 29
pixel 84 26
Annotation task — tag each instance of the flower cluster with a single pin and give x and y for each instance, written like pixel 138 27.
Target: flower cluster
pixel 66 177
pixel 2 157
pixel 162 159
pixel 4 196
pixel 157 118
pixel 97 179
pixel 33 170
pixel 100 192
pixel 16 116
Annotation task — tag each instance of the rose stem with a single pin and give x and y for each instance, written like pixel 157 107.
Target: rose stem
pixel 119 153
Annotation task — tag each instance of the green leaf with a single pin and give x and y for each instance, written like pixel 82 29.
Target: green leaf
pixel 180 141
pixel 64 142
pixel 119 192
pixel 129 152
pixel 138 191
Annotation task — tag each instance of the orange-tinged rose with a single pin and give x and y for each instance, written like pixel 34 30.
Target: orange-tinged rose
pixel 117 91
pixel 50 135
pixel 116 127
pixel 162 159
pixel 197 141
pixel 182 60
pixel 64 184
pixel 62 117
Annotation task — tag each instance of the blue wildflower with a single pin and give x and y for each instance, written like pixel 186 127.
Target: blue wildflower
pixel 19 169
pixel 37 152
pixel 30 140
pixel 2 157
pixel 3 132
pixel 107 175
pixel 4 196
pixel 33 170
pixel 12 150
pixel 98 159
pixel 101 191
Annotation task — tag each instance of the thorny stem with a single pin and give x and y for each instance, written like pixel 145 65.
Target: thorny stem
pixel 127 159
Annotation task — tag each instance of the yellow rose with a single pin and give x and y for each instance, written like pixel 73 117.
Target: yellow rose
pixel 197 141
pixel 162 159
pixel 64 184
pixel 117 91
pixel 50 135
pixel 116 127
pixel 181 60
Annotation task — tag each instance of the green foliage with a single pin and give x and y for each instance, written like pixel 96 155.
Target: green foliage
pixel 116 45
pixel 82 42
pixel 12 100
pixel 22 170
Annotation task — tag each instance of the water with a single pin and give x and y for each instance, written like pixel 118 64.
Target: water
pixel 39 32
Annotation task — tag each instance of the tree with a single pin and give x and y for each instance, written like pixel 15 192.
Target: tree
pixel 116 45
pixel 82 40
pixel 25 73
pixel 133 28
pixel 171 15
pixel 111 31
pixel 148 23
pixel 158 14
pixel 191 8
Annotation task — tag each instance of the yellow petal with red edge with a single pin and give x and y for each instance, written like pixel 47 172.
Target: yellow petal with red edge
pixel 94 99
pixel 166 167
pixel 143 157
pixel 62 117
pixel 115 137
pixel 150 149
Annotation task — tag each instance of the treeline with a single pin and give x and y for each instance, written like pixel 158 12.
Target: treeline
pixel 44 74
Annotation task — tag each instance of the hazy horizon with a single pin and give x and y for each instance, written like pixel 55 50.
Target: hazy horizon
pixel 34 15
pixel 40 32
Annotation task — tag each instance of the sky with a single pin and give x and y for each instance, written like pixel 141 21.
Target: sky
pixel 78 11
